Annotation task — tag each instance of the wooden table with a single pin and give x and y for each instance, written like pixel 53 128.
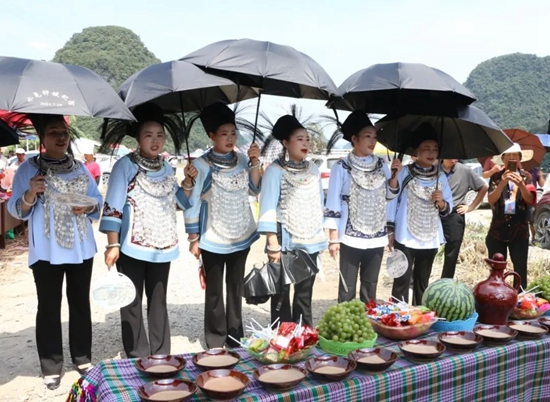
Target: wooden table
pixel 8 222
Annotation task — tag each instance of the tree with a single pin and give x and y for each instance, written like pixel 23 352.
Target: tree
pixel 113 52
pixel 512 90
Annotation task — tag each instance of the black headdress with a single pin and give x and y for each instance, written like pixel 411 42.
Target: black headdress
pixel 354 123
pixel 424 132
pixel 113 131
pixel 218 114
pixel 284 127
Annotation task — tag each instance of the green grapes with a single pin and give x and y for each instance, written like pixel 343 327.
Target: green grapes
pixel 543 286
pixel 346 322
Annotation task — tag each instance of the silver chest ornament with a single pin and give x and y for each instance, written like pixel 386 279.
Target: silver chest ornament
pixel 367 200
pixel 154 206
pixel 232 217
pixel 301 208
pixel 63 216
pixel 422 215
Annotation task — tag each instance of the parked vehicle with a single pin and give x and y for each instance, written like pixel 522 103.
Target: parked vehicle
pixel 325 164
pixel 542 216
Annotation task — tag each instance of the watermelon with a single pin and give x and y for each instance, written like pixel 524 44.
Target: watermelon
pixel 450 299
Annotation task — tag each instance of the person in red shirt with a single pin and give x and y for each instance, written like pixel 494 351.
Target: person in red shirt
pixel 92 165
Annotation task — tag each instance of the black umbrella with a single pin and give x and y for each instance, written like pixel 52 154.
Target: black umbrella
pixel 179 86
pixel 402 88
pixel 32 86
pixel 470 133
pixel 273 69
pixel 8 136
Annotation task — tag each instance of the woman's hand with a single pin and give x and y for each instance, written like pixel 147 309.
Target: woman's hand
pixel 396 166
pixel 111 256
pixel 37 185
pixel 194 249
pixel 334 249
pixel 254 153
pixel 274 256
pixel 190 173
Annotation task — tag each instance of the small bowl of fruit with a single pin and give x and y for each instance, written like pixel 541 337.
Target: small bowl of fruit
pixel 400 321
pixel 529 306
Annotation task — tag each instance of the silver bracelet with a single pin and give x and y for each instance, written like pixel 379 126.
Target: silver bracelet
pixel 193 240
pixel 28 204
pixel 112 245
pixel 274 250
pixel 186 188
pixel 334 242
pixel 256 166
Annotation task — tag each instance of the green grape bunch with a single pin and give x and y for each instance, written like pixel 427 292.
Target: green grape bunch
pixel 346 322
pixel 543 284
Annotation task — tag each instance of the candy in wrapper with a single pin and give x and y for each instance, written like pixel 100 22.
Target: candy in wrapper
pixel 272 354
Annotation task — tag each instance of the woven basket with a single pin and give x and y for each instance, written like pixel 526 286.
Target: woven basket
pixel 458 325
pixel 343 349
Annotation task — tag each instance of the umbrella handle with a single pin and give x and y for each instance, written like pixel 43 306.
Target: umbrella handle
pixel 185 134
pixel 257 113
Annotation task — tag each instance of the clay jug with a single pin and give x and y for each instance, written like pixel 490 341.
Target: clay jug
pixel 495 299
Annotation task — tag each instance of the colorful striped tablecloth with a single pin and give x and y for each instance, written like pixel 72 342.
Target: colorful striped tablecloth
pixel 518 372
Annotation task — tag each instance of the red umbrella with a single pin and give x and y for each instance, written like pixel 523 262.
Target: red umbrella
pixel 10 117
pixel 525 140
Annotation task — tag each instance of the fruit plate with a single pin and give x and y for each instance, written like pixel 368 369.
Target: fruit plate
pixel 401 333
pixel 296 357
pixel 75 200
pixel 343 349
pixel 519 314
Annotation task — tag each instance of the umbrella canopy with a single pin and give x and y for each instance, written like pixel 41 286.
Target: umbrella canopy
pixel 469 134
pixel 525 140
pixel 32 86
pixel 275 69
pixel 178 86
pixel 8 136
pixel 402 88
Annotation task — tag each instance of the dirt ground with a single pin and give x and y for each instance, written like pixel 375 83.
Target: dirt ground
pixel 20 374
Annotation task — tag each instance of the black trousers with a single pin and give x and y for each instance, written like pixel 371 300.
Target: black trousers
pixel 49 340
pixel 301 302
pixel 219 323
pixel 154 277
pixel 453 229
pixel 351 259
pixel 519 251
pixel 420 268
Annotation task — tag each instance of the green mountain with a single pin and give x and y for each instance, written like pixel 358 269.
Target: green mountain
pixel 115 53
pixel 513 90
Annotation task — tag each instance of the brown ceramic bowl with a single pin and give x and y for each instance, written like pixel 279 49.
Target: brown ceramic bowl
pixel 229 384
pixel 528 329
pixel 545 321
pixel 496 334
pixel 332 368
pixel 169 390
pixel 279 385
pixel 212 353
pixel 422 350
pixel 460 341
pixel 373 359
pixel 160 366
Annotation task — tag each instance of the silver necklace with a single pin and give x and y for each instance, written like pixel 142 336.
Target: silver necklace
pixel 147 164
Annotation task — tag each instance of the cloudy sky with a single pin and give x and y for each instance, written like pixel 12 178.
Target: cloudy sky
pixel 342 35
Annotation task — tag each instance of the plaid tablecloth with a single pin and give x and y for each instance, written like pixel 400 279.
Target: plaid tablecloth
pixel 519 371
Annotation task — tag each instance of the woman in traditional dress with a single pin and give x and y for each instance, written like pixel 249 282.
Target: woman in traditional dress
pixel 415 214
pixel 139 218
pixel 510 196
pixel 356 208
pixel 61 244
pixel 291 215
pixel 220 223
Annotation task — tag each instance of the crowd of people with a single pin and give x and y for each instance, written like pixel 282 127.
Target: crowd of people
pixel 369 206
